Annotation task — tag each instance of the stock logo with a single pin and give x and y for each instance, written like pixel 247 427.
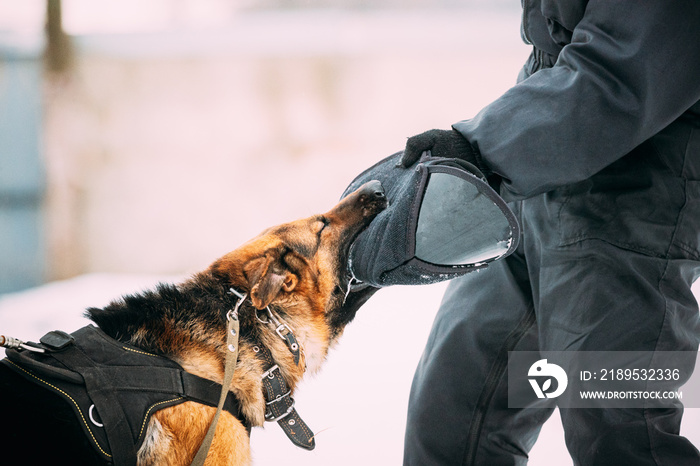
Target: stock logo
pixel 545 371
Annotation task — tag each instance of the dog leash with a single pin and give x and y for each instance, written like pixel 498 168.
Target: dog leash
pixel 232 329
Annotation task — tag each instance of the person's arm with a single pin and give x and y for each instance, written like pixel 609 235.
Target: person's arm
pixel 632 68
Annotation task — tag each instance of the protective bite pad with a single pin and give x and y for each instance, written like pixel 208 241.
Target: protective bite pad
pixel 443 220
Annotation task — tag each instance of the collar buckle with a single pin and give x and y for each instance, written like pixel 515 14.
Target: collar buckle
pixel 269 373
pixel 271 417
pixel 283 328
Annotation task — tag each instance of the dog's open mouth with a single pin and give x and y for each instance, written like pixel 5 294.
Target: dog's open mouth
pixel 350 293
pixel 372 200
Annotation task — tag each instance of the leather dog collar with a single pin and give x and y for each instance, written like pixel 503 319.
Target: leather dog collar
pixel 280 404
pixel 278 400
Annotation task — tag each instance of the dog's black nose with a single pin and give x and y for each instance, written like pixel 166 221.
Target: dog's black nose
pixel 368 200
pixel 372 197
pixel 373 189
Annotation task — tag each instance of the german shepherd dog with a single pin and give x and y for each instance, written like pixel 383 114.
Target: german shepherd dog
pixel 295 273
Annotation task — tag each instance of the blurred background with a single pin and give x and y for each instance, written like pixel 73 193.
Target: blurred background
pixel 151 136
pixel 142 139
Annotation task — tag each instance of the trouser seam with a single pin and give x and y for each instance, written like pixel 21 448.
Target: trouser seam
pixel 656 345
pixel 492 381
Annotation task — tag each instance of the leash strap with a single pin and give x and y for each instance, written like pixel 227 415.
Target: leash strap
pixel 232 329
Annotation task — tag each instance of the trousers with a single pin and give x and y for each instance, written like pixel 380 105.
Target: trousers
pixel 606 264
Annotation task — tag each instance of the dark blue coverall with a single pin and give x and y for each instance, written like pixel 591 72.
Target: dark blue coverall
pixel 598 149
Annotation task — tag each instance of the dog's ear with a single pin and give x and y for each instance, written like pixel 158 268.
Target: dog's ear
pixel 267 276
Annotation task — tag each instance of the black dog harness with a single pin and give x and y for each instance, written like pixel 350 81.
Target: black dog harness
pixel 113 388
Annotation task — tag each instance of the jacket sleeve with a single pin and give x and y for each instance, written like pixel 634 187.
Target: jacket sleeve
pixel 630 70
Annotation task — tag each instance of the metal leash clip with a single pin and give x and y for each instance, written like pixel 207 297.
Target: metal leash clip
pixel 281 328
pixel 16 344
pixel 233 313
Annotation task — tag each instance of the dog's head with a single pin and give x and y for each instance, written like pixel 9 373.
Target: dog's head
pixel 302 266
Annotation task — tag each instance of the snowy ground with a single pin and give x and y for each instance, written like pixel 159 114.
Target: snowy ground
pixel 356 405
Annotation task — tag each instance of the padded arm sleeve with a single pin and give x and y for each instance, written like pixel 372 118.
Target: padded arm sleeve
pixel 630 70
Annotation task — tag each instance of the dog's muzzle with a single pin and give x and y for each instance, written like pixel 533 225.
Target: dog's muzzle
pixel 359 206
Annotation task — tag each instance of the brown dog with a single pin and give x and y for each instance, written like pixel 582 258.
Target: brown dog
pixel 296 280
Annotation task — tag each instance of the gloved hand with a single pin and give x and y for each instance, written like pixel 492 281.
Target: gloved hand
pixel 441 143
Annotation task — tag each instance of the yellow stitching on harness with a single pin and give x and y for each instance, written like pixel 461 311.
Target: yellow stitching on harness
pixel 145 418
pixel 69 397
pixel 140 352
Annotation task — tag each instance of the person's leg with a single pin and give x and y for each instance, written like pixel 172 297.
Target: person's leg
pixel 458 410
pixel 616 257
pixel 602 298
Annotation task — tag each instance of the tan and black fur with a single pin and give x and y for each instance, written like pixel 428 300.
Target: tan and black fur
pixel 299 269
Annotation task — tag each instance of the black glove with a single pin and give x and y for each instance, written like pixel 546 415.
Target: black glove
pixel 449 144
pixel 441 143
